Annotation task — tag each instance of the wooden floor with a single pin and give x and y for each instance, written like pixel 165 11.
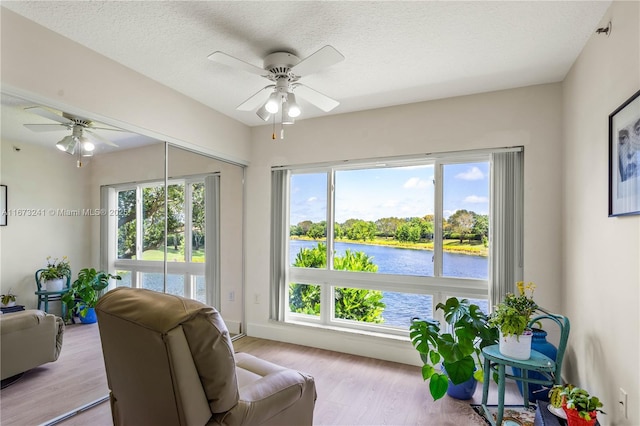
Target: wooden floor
pixel 45 392
pixel 352 390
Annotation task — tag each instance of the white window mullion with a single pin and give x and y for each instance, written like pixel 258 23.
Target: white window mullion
pixel 330 218
pixel 437 218
pixel 139 222
pixel 327 300
pixel 188 221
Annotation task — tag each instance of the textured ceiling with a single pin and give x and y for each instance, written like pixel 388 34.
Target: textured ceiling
pixel 395 52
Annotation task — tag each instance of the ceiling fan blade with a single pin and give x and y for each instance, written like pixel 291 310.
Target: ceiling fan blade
pixel 256 99
pixel 100 138
pixel 325 57
pixel 230 61
pixel 48 114
pixel 318 99
pixel 111 129
pixel 45 127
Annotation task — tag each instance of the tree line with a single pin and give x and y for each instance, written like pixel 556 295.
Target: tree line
pixel 462 225
pixel 153 218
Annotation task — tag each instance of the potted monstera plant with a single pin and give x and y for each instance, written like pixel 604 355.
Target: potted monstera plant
pixel 457 347
pixel 84 293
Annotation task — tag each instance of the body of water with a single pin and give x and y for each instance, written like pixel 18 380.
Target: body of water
pixel 401 307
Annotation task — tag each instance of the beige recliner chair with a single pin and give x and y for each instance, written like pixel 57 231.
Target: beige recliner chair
pixel 28 339
pixel 170 361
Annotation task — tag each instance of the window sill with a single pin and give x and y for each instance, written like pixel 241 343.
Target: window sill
pixel 342 330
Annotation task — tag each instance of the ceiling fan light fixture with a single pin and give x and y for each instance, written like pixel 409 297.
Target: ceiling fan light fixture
pixel 87 145
pixel 67 144
pixel 286 117
pixel 293 109
pixel 263 113
pixel 273 103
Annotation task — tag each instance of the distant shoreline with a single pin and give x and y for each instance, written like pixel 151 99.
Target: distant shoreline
pixel 450 246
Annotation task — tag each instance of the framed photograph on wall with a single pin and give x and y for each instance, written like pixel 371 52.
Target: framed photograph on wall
pixel 624 158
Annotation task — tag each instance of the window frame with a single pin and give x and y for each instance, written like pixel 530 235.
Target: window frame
pixel 438 286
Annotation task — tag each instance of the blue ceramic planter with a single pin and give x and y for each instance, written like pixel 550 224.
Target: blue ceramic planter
pixel 464 390
pixel 90 317
pixel 538 343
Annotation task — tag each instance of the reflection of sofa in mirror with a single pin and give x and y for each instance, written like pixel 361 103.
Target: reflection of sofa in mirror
pixel 185 371
pixel 28 339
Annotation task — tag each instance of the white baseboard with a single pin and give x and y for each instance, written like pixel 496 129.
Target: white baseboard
pixel 389 349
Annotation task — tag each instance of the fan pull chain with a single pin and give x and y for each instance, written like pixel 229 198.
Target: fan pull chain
pixel 79 160
pixel 273 133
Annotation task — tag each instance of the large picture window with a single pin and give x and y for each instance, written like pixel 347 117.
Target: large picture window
pixel 373 245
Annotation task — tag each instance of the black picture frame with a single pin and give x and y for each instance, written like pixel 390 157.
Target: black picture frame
pixel 3 205
pixel 624 158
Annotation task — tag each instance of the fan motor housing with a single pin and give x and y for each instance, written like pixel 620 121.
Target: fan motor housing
pixel 279 63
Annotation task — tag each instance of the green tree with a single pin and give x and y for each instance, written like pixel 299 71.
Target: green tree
pixel 318 230
pixel 359 230
pixel 481 225
pixel 197 214
pixel 153 216
pixel 305 225
pixel 461 223
pixel 408 232
pixel 387 226
pixel 126 224
pixel 295 230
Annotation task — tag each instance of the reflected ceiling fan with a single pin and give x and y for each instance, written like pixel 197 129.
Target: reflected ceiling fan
pixel 79 142
pixel 285 70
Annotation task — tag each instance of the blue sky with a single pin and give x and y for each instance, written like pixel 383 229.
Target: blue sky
pixel 387 192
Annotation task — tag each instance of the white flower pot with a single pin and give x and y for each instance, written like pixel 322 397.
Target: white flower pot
pixel 8 305
pixel 516 347
pixel 54 285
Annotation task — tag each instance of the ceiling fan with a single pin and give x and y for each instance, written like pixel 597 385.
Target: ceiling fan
pixel 79 142
pixel 285 70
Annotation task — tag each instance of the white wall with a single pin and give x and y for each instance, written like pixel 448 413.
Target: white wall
pixel 528 116
pixel 40 65
pixel 601 280
pixel 45 181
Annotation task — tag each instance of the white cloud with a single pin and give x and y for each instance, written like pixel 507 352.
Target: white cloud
pixel 473 173
pixel 415 182
pixel 476 199
pixel 312 199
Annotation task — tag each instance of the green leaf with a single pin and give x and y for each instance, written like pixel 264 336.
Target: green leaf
pixel 427 371
pixel 460 371
pixel 479 375
pixel 438 386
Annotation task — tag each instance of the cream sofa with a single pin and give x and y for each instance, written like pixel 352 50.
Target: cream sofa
pixel 28 339
pixel 170 361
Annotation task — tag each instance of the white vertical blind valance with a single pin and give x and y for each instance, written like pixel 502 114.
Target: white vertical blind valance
pixel 506 224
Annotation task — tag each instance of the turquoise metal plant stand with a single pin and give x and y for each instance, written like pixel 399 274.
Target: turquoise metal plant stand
pixel 549 370
pixel 44 296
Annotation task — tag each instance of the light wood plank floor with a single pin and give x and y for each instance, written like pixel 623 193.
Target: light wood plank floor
pixel 352 390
